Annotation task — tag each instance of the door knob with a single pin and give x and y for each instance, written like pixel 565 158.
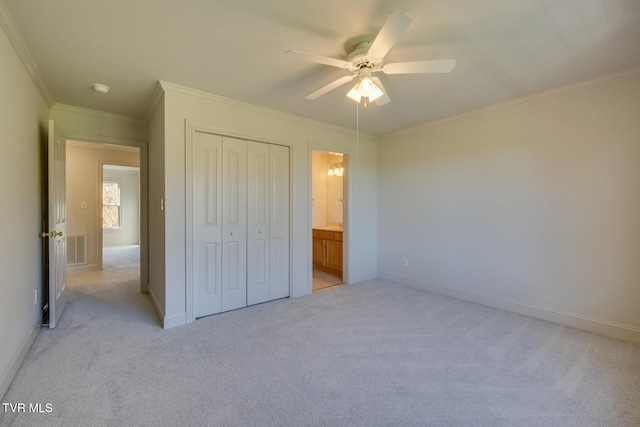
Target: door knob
pixel 51 234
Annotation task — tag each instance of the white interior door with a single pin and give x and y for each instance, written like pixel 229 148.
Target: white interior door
pixel 207 223
pixel 234 223
pixel 258 223
pixel 279 207
pixel 57 233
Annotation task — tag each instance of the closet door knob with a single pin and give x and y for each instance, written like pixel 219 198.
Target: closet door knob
pixel 232 234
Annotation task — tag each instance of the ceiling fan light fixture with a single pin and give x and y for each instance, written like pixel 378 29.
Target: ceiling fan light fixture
pixel 365 88
pixel 354 94
pixel 368 57
pixel 377 93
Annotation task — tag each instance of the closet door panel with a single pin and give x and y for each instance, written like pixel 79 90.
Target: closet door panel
pixel 279 213
pixel 234 224
pixel 257 223
pixel 206 173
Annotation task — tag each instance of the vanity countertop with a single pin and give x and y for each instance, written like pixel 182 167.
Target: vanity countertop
pixel 328 228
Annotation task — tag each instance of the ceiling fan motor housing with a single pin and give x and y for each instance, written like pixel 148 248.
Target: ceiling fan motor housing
pixel 359 57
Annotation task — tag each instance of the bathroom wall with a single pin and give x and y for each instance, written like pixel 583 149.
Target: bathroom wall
pixel 319 188
pixel 327 191
pixel 334 192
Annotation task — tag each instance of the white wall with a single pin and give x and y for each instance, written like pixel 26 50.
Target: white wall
pixel 23 128
pixel 243 120
pixel 532 206
pixel 156 214
pixel 90 125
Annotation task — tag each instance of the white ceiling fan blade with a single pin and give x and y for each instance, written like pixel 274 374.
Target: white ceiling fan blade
pixel 434 66
pixel 394 26
pixel 384 99
pixel 319 59
pixel 331 86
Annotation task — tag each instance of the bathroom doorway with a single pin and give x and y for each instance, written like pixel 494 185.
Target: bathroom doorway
pixel 327 204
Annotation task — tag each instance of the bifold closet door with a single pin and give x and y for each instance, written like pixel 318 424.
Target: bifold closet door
pixel 258 223
pixel 206 174
pixel 267 222
pixel 240 223
pixel 219 251
pixel 234 223
pixel 279 207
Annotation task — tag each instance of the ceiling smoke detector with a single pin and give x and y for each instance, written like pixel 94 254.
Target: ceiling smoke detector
pixel 100 88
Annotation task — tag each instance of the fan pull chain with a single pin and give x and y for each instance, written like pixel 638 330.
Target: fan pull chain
pixel 357 132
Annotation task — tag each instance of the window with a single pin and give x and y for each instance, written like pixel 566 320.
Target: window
pixel 111 205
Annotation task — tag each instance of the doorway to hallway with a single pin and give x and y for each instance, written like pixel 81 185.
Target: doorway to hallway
pixel 104 215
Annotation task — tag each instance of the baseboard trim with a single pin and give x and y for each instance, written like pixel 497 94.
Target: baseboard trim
pixel 81 268
pixel 167 321
pixel 156 306
pixel 578 321
pixel 10 371
pixel 363 277
pixel 173 321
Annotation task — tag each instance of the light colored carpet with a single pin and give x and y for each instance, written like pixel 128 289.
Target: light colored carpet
pixel 118 258
pixel 371 354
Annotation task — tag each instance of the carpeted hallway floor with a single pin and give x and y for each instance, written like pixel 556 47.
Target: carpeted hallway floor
pixel 370 354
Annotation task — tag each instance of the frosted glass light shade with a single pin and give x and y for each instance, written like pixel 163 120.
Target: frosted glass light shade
pixel 365 88
pixel 354 94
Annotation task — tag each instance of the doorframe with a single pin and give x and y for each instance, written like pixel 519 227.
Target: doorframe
pixel 191 127
pixel 347 154
pixel 144 198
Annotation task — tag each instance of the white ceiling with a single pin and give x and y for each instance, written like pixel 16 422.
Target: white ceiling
pixel 235 48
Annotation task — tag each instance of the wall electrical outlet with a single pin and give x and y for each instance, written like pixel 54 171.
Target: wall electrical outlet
pixel 36 296
pixel 405 261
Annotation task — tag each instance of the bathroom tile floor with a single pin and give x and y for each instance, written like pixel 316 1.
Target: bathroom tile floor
pixel 322 279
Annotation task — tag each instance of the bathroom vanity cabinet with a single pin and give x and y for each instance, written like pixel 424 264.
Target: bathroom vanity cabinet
pixel 327 250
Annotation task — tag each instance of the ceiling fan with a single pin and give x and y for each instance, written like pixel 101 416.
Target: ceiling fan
pixel 368 58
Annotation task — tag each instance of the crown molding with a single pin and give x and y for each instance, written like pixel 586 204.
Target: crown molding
pixel 96 113
pixel 158 93
pixel 182 90
pixel 11 30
